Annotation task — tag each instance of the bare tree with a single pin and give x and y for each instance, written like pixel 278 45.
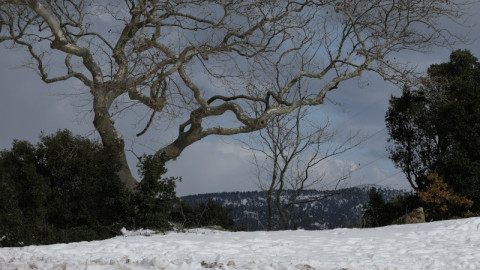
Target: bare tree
pixel 157 55
pixel 290 155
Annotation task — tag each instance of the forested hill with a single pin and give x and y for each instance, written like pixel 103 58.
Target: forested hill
pixel 341 208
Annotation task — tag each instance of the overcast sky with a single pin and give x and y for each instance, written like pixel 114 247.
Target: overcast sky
pixel 216 164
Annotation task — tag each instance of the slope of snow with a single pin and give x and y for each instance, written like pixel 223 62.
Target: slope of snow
pixel 453 244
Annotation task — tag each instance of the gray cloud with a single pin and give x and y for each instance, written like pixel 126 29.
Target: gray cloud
pixel 213 166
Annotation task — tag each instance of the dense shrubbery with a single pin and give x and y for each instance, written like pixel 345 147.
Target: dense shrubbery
pixel 438 201
pixel 65 189
pixel 202 215
pixel 379 212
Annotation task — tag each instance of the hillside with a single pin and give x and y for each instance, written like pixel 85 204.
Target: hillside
pixel 324 210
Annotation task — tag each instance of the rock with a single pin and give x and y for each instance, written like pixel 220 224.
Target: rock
pixel 211 265
pixel 416 216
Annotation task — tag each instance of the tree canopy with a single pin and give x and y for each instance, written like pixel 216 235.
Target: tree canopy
pixel 436 127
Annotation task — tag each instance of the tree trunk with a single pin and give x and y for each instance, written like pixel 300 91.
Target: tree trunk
pixel 281 211
pixel 269 209
pixel 111 138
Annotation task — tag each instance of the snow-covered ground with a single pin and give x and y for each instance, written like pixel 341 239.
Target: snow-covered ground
pixel 453 244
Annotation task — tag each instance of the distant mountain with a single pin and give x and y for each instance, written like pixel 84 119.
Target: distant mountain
pixel 341 208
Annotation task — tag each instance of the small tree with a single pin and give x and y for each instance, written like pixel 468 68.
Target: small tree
pixel 372 216
pixel 442 202
pixel 290 151
pixel 154 195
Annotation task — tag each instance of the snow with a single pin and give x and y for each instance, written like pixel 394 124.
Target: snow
pixel 453 244
pixel 126 232
pixel 244 201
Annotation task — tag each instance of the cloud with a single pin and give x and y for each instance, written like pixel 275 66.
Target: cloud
pixel 212 166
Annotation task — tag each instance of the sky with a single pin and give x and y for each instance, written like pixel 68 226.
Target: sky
pixel 217 164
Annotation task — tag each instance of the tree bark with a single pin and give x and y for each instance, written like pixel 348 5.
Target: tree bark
pixel 111 138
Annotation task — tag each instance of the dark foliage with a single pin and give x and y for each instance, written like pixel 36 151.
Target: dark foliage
pixel 373 216
pixel 63 189
pixel 154 195
pixel 436 128
pixel 66 189
pixel 203 215
pixel 379 212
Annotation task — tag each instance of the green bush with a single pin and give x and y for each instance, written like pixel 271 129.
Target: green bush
pixel 63 189
pixel 154 195
pixel 24 195
pixel 86 191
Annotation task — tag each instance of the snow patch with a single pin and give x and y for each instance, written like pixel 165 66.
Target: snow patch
pixel 143 232
pixel 452 244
